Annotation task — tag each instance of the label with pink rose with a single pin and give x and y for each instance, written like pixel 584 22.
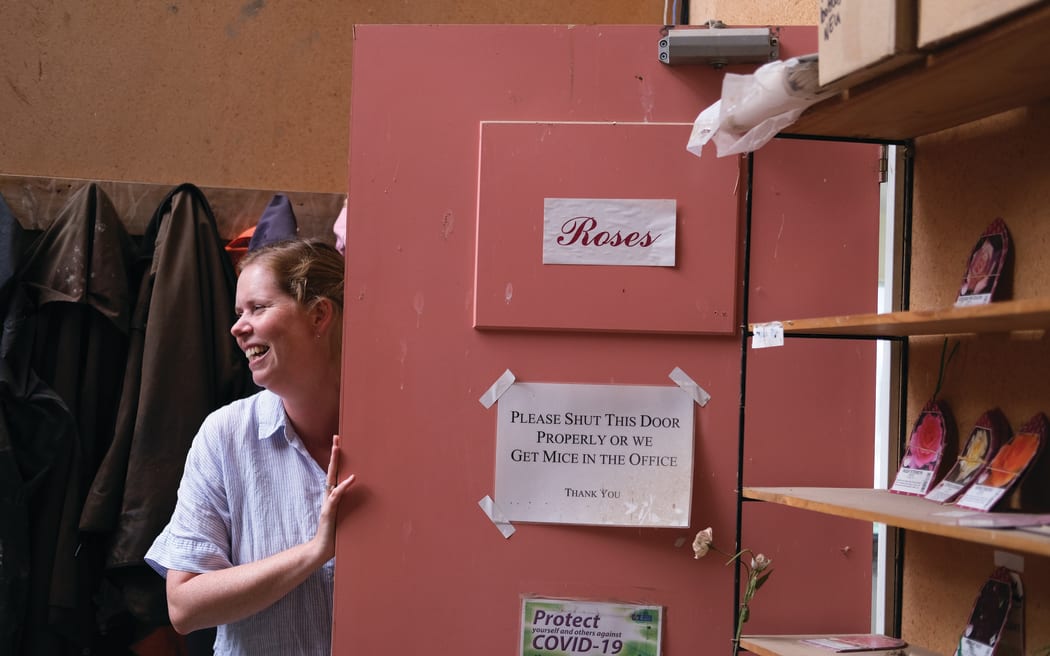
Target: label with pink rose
pixel 924 458
pixel 986 266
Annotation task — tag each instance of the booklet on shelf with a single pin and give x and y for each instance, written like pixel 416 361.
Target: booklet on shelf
pixel 856 642
pixel 1042 529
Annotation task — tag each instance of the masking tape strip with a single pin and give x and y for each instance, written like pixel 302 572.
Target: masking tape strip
pixel 690 387
pixel 489 507
pixel 501 385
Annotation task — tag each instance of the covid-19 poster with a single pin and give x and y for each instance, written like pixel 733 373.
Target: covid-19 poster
pixel 565 627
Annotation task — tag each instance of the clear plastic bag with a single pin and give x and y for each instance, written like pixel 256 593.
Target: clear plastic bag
pixel 754 108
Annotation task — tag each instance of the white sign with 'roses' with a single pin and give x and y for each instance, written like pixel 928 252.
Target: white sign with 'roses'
pixel 626 232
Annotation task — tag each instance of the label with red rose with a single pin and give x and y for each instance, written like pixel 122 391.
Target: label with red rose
pixel 996 623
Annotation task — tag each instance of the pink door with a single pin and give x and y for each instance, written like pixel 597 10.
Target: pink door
pixel 458 136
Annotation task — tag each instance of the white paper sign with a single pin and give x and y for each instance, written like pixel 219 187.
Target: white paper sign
pixel 912 481
pixel 969 647
pixel 981 497
pixel 628 232
pixel 974 299
pixel 616 455
pixel 766 335
pixel 945 490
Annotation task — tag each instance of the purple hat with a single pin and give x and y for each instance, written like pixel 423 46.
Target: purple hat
pixel 277 223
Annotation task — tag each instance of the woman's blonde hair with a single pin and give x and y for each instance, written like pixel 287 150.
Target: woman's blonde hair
pixel 305 269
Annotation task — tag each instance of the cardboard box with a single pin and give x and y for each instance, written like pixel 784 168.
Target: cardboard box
pixel 942 21
pixel 861 39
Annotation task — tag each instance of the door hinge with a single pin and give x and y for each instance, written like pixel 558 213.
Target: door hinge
pixel 884 164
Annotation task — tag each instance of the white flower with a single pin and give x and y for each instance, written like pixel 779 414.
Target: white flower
pixel 760 562
pixel 702 542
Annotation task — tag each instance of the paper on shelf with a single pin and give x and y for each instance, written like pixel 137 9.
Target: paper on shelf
pixel 856 642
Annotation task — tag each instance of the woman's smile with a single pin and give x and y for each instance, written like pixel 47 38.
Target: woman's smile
pixel 253 353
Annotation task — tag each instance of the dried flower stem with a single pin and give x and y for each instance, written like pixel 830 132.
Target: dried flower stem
pixel 757 573
pixel 758 568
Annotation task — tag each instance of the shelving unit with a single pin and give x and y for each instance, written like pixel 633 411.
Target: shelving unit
pixel 1001 68
pixel 882 506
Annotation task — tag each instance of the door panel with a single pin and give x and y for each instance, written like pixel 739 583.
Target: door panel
pixel 419 565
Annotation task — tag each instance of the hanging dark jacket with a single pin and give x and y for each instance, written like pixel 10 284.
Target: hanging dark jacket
pixel 182 364
pixel 78 274
pixel 76 277
pixel 38 454
pixel 15 468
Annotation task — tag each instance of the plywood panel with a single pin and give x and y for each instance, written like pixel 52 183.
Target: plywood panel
pixel 418 546
pixel 754 12
pixel 232 93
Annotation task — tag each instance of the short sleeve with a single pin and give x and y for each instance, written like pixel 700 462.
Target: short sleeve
pixel 197 538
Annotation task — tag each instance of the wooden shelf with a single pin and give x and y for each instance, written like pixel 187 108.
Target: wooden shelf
pixel 790 645
pixel 1004 316
pixel 1003 67
pixel 903 511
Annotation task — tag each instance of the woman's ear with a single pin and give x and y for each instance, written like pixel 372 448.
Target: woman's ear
pixel 322 315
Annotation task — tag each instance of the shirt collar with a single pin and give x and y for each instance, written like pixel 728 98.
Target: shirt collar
pixel 272 418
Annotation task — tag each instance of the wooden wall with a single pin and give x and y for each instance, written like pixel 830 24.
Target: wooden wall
pixel 755 12
pixel 226 93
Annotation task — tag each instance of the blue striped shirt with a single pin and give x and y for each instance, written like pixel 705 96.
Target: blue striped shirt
pixel 250 489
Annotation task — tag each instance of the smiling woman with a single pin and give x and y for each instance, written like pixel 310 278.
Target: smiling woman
pixel 238 553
